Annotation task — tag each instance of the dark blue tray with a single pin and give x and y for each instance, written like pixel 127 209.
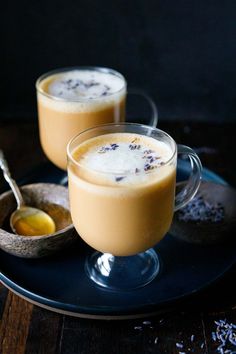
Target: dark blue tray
pixel 59 282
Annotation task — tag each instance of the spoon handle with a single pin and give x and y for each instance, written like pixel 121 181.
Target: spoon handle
pixel 12 183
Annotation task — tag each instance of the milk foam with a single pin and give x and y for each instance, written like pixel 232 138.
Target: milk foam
pixel 124 158
pixel 84 84
pixel 82 90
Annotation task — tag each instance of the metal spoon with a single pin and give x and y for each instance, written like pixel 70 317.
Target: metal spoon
pixel 26 220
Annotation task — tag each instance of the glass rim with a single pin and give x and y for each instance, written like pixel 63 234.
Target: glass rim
pixel 123 172
pixel 82 68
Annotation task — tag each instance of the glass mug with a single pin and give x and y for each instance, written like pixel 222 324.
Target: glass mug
pixel 124 212
pixel 83 97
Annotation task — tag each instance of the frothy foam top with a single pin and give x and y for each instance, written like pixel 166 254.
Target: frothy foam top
pixel 79 85
pixel 123 158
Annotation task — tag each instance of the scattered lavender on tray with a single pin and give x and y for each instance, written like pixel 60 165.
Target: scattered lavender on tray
pixel 200 210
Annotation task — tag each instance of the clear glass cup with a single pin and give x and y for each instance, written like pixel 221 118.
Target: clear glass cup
pixel 62 118
pixel 124 222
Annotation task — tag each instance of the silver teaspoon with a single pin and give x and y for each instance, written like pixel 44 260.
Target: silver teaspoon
pixel 26 220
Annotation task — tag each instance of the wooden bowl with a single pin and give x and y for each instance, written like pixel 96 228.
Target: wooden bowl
pixel 51 198
pixel 203 232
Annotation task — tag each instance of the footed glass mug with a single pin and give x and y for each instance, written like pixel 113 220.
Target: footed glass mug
pixel 73 99
pixel 122 181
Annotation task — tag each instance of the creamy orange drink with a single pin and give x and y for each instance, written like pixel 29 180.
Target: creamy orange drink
pixel 122 198
pixel 72 100
pixel 122 188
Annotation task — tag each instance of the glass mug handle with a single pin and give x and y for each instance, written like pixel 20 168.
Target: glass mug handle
pixel 191 187
pixel 154 115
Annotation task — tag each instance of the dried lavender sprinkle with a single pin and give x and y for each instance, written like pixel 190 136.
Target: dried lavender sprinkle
pixel 156 340
pixel 114 146
pixel 138 328
pixel 106 148
pixel 148 151
pixel 134 146
pixel 179 345
pixel 118 179
pixel 200 210
pixel 226 335
pixel 213 336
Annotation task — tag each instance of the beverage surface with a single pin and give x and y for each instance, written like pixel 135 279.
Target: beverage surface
pixel 123 158
pixel 122 191
pixel 76 85
pixel 72 101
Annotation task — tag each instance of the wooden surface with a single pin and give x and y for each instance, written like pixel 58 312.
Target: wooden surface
pixel 185 328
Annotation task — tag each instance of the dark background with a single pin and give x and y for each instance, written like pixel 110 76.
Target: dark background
pixel 182 52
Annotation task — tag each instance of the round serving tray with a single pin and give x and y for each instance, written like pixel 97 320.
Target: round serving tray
pixel 59 282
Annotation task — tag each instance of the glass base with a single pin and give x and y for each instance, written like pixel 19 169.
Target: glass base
pixel 64 180
pixel 122 273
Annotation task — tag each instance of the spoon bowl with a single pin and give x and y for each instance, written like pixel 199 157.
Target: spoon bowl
pixel 28 221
